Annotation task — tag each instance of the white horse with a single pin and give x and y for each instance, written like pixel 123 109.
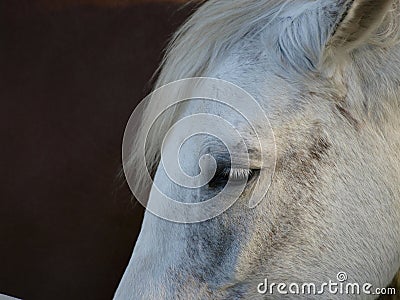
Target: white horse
pixel 327 75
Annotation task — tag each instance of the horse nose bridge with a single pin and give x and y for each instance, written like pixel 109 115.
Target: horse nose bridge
pixel 142 280
pixel 158 249
pixel 172 285
pixel 156 275
pixel 172 258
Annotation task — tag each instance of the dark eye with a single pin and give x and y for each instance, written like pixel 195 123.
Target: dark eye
pixel 236 175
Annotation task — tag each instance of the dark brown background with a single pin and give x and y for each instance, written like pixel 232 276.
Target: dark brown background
pixel 71 73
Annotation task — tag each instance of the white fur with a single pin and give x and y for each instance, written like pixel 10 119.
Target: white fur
pixel 333 103
pixel 4 297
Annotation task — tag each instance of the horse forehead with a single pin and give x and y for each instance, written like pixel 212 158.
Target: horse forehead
pixel 257 73
pixel 241 142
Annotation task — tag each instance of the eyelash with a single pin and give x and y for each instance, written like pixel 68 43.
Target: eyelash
pixel 237 174
pixel 221 177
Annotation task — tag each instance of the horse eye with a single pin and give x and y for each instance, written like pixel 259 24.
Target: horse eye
pixel 222 176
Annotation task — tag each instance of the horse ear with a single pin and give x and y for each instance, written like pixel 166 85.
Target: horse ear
pixel 355 21
pixel 329 28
